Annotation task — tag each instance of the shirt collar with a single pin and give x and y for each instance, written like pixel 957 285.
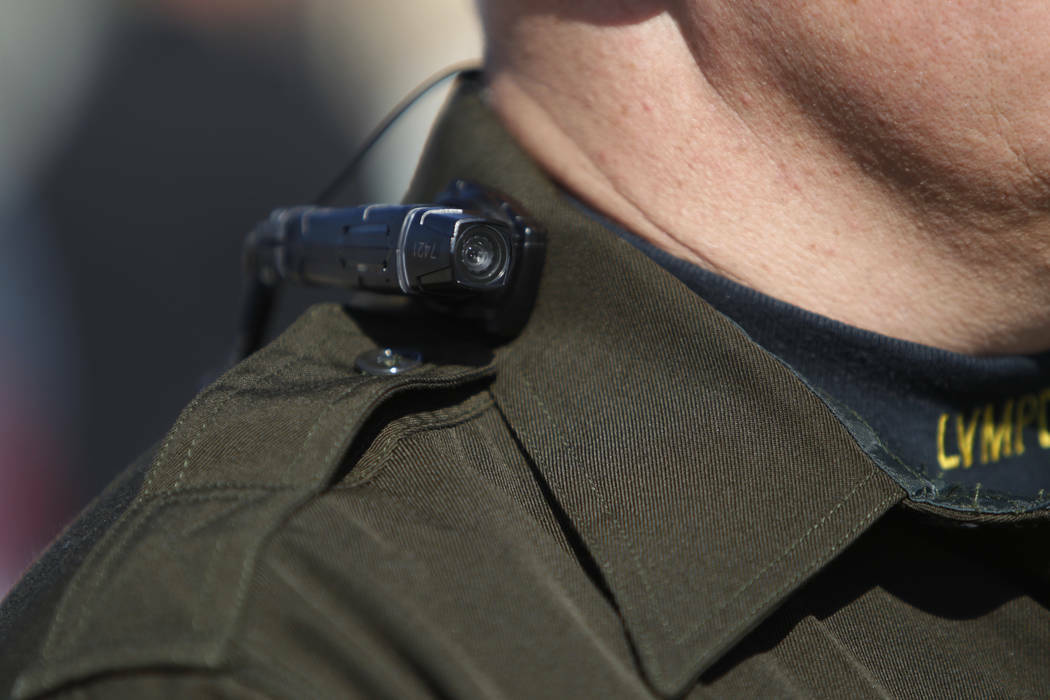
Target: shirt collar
pixel 706 481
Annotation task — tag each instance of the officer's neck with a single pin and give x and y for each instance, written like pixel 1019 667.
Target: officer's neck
pixel 739 182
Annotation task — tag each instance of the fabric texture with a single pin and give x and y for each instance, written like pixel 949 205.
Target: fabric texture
pixel 631 499
pixel 960 431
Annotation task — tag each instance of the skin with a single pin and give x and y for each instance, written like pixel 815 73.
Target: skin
pixel 885 163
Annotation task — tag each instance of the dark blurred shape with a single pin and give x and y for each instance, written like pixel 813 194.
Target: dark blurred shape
pixel 186 140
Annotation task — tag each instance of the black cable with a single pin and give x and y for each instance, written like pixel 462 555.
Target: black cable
pixel 257 302
pixel 350 169
pixel 259 296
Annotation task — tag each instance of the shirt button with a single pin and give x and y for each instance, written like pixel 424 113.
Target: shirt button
pixel 387 361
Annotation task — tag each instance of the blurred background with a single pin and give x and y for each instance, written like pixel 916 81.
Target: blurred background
pixel 139 141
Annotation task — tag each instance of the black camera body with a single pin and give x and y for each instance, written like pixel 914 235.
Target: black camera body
pixel 473 253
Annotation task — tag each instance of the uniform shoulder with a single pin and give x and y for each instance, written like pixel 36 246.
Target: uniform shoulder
pixel 164 584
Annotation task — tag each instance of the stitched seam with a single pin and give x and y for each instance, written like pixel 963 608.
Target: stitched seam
pixel 832 405
pixel 791 583
pixel 198 401
pixel 526 481
pixel 60 618
pixel 891 453
pixel 102 553
pixel 783 555
pixel 144 505
pixel 639 569
pixel 413 423
pixel 342 396
pixel 249 563
pixel 84 665
pixel 147 513
pixel 382 395
pixel 386 453
pixel 272 374
pixel 234 497
pixel 78 583
pixel 276 372
pixel 843 650
pixel 218 486
pixel 994 497
pixel 447 415
pixel 189 451
pixel 213 411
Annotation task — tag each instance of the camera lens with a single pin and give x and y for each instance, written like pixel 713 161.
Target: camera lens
pixel 478 255
pixel 481 255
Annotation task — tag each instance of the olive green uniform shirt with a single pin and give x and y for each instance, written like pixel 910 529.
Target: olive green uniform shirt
pixel 629 500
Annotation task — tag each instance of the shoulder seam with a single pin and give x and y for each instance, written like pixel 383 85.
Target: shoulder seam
pixel 386 446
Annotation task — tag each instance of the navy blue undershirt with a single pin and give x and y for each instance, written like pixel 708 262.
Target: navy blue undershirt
pixel 965 432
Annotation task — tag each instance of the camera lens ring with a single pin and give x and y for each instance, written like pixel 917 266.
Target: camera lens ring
pixel 482 255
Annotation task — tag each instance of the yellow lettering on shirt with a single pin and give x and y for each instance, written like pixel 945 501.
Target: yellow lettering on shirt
pixel 1044 429
pixel 995 436
pixel 965 433
pixel 946 461
pixel 1027 408
pixel 992 432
